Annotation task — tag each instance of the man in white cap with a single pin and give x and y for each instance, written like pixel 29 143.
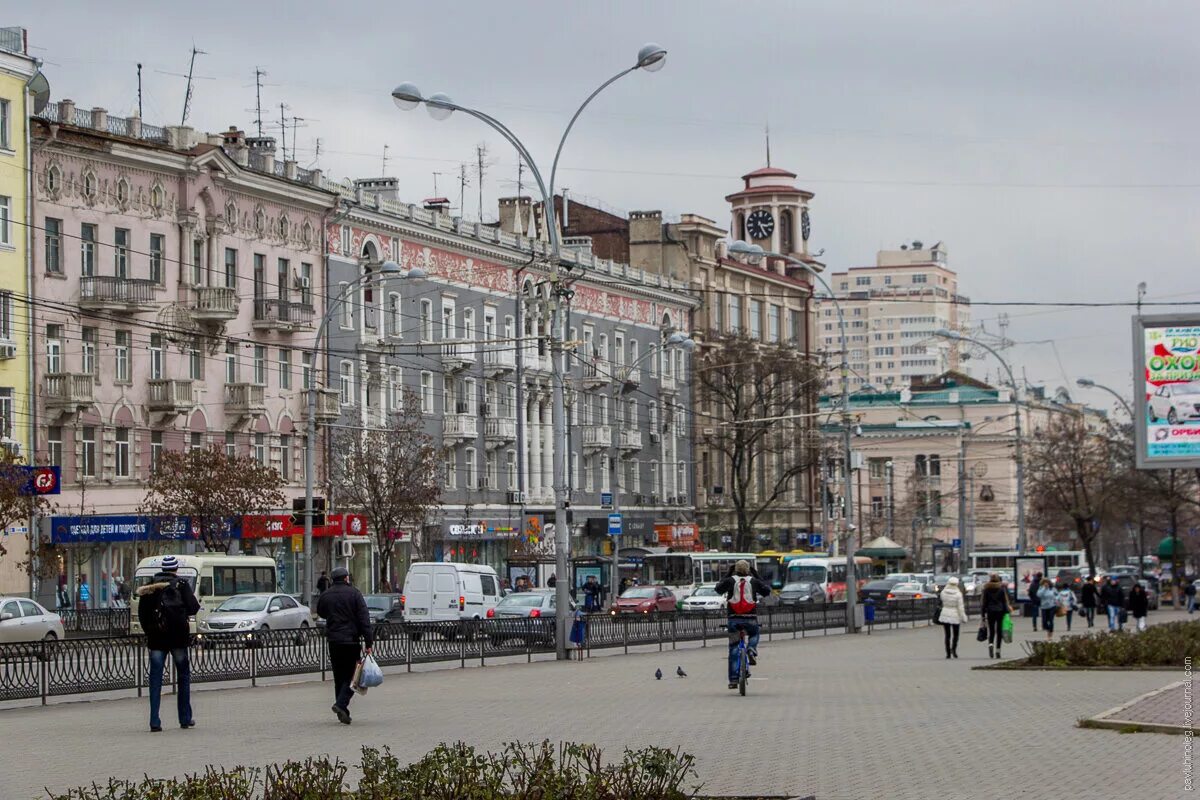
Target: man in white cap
pixel 164 606
pixel 346 619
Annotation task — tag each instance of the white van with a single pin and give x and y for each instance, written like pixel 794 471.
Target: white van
pixel 440 592
pixel 214 578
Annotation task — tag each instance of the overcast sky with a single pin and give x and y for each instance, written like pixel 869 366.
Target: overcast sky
pixel 1051 146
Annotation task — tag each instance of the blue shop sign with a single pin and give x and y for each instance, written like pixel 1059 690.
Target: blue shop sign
pixel 102 528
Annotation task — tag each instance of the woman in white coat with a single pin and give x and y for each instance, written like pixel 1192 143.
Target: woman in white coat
pixel 953 615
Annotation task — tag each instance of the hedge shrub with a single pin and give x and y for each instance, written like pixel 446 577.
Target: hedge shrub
pixel 1158 646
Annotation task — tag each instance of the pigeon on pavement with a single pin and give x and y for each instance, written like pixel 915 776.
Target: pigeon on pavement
pixel 658 674
pixel 679 671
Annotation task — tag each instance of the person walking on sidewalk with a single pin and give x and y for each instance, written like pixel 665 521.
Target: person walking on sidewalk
pixel 1066 599
pixel 164 606
pixel 1035 583
pixel 1088 599
pixel 1048 605
pixel 953 615
pixel 346 621
pixel 1113 599
pixel 1189 591
pixel 1138 605
pixel 994 603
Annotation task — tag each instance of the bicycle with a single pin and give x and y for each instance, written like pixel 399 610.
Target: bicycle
pixel 743 652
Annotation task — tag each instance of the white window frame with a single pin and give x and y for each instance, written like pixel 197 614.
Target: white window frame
pixel 6 207
pixel 346 383
pixel 121 453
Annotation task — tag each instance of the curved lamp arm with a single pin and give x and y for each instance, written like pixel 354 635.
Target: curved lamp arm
pixel 571 124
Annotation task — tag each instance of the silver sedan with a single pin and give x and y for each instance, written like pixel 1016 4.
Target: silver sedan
pixel 260 612
pixel 24 620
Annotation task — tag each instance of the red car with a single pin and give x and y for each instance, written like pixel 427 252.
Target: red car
pixel 645 600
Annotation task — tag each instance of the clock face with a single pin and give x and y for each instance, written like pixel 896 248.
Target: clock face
pixel 805 227
pixel 760 224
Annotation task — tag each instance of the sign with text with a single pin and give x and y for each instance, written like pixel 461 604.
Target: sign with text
pixel 118 528
pixel 614 524
pixel 275 526
pixel 1166 353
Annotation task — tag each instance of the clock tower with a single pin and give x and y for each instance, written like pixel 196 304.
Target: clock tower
pixel 771 212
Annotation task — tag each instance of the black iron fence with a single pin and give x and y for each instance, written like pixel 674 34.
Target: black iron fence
pixel 95 621
pixel 111 663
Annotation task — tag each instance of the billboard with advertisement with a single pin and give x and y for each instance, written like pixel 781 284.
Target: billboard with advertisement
pixel 1166 354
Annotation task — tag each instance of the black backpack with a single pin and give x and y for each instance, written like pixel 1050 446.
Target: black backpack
pixel 172 611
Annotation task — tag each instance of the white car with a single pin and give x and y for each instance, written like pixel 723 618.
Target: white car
pixel 705 598
pixel 23 620
pixel 1175 401
pixel 258 612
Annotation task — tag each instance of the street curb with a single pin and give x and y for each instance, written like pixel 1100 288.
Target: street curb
pixel 1105 721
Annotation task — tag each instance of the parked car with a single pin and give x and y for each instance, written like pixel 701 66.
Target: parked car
pixel 923 578
pixel 705 598
pixel 442 592
pixel 878 589
pixel 1069 579
pixel 264 611
pixel 383 607
pixel 909 591
pixel 801 593
pixel 24 620
pixel 1175 401
pixel 645 600
pixel 533 604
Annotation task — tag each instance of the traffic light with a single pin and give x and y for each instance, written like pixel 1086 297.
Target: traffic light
pixel 299 506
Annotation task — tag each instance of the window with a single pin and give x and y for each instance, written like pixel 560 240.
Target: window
pixel 862 280
pixel 346 383
pixel 124 340
pixel 53 234
pixel 472 469
pixel 6 412
pixel 156 446
pixel 260 365
pixel 735 313
pixel 426 320
pixel 394 314
pixel 773 323
pixel 243 580
pixel 285 368
pixel 468 319
pixel 157 246
pixel 346 244
pixel 87 250
pixel 491 476
pixel 5 125
pixel 156 356
pixel 230 444
pixel 920 277
pixel 195 360
pixel 283 273
pixel 231 256
pixel 450 465
pixel 121 457
pixel 196 440
pixel 260 449
pixel 260 285
pixel 87 456
pixel 347 313
pixel 510 469
pixel 197 261
pixel 231 362
pixel 89 351
pixel 306 275
pixel 121 252
pixel 448 326
pixel 575 470
pixel 794 327
pixel 755 319
pixel 427 392
pixel 306 370
pixel 395 389
pixel 54 445
pixel 5 220
pixel 6 315
pixel 285 457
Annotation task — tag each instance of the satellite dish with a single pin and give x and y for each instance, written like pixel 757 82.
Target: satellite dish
pixel 40 87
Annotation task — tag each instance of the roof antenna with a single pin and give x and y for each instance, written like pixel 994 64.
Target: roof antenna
pixel 768 132
pixel 259 72
pixel 187 98
pixel 384 173
pixel 139 90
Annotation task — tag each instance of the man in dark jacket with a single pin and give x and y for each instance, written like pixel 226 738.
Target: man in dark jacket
pixel 1034 583
pixel 1189 591
pixel 1089 598
pixel 742 588
pixel 323 581
pixel 1113 600
pixel 346 619
pixel 164 606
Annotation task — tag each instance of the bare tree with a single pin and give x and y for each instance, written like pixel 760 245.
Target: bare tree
pixel 391 476
pixel 760 398
pixel 209 487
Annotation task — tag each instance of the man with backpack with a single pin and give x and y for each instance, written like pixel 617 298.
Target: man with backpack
pixel 742 589
pixel 164 606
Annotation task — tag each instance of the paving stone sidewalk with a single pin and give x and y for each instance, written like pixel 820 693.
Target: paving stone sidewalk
pixel 837 717
pixel 1170 709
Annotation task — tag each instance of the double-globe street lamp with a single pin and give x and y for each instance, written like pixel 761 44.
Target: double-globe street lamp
pixel 676 339
pixel 407 96
pixel 755 251
pixel 955 336
pixel 1088 383
pixel 387 269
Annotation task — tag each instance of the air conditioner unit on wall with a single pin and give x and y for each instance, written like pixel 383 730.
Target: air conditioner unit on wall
pixel 516 498
pixel 345 549
pixel 8 350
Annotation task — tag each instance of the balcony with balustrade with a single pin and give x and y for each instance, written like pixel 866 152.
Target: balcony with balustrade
pixel 214 303
pixel 630 440
pixel 328 404
pixel 119 295
pixel 245 399
pixel 535 363
pixel 283 316
pixel 499 431
pixel 68 392
pixel 460 426
pixel 498 359
pixel 596 437
pixel 596 373
pixel 458 353
pixel 630 377
pixel 168 396
pixel 667 384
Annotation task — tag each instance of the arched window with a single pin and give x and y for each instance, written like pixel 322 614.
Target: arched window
pixel 786 239
pixel 741 227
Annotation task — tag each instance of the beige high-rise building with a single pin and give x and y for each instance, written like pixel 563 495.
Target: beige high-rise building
pixel 892 310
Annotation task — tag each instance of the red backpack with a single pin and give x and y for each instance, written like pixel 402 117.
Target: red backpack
pixel 742 599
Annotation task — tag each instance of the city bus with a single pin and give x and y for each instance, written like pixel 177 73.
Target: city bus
pixel 214 577
pixel 992 560
pixel 772 565
pixel 683 572
pixel 829 573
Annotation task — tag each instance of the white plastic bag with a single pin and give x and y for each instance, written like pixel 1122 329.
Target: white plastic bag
pixel 370 674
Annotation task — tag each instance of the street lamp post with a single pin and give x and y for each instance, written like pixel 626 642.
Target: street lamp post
pixel 407 96
pixel 676 339
pixel 1088 383
pixel 388 268
pixel 955 336
pixel 755 251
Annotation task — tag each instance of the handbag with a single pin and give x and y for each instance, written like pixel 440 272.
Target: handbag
pixel 981 636
pixel 1061 611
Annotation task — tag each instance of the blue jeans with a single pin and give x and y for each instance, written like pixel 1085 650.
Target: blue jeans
pixel 1191 603
pixel 1114 617
pixel 183 693
pixel 751 627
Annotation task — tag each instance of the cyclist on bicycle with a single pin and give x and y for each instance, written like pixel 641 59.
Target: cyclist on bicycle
pixel 742 588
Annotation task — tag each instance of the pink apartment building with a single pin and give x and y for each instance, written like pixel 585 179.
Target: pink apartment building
pixel 178 284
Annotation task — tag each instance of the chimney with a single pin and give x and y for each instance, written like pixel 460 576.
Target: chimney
pixel 66 112
pixel 234 142
pixel 437 204
pixel 180 137
pixel 380 188
pixel 511 218
pixel 135 127
pixel 262 153
pixel 100 119
pixel 646 241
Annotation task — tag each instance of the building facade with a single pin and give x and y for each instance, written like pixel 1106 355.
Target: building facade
pixel 892 310
pixel 17 69
pixel 177 280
